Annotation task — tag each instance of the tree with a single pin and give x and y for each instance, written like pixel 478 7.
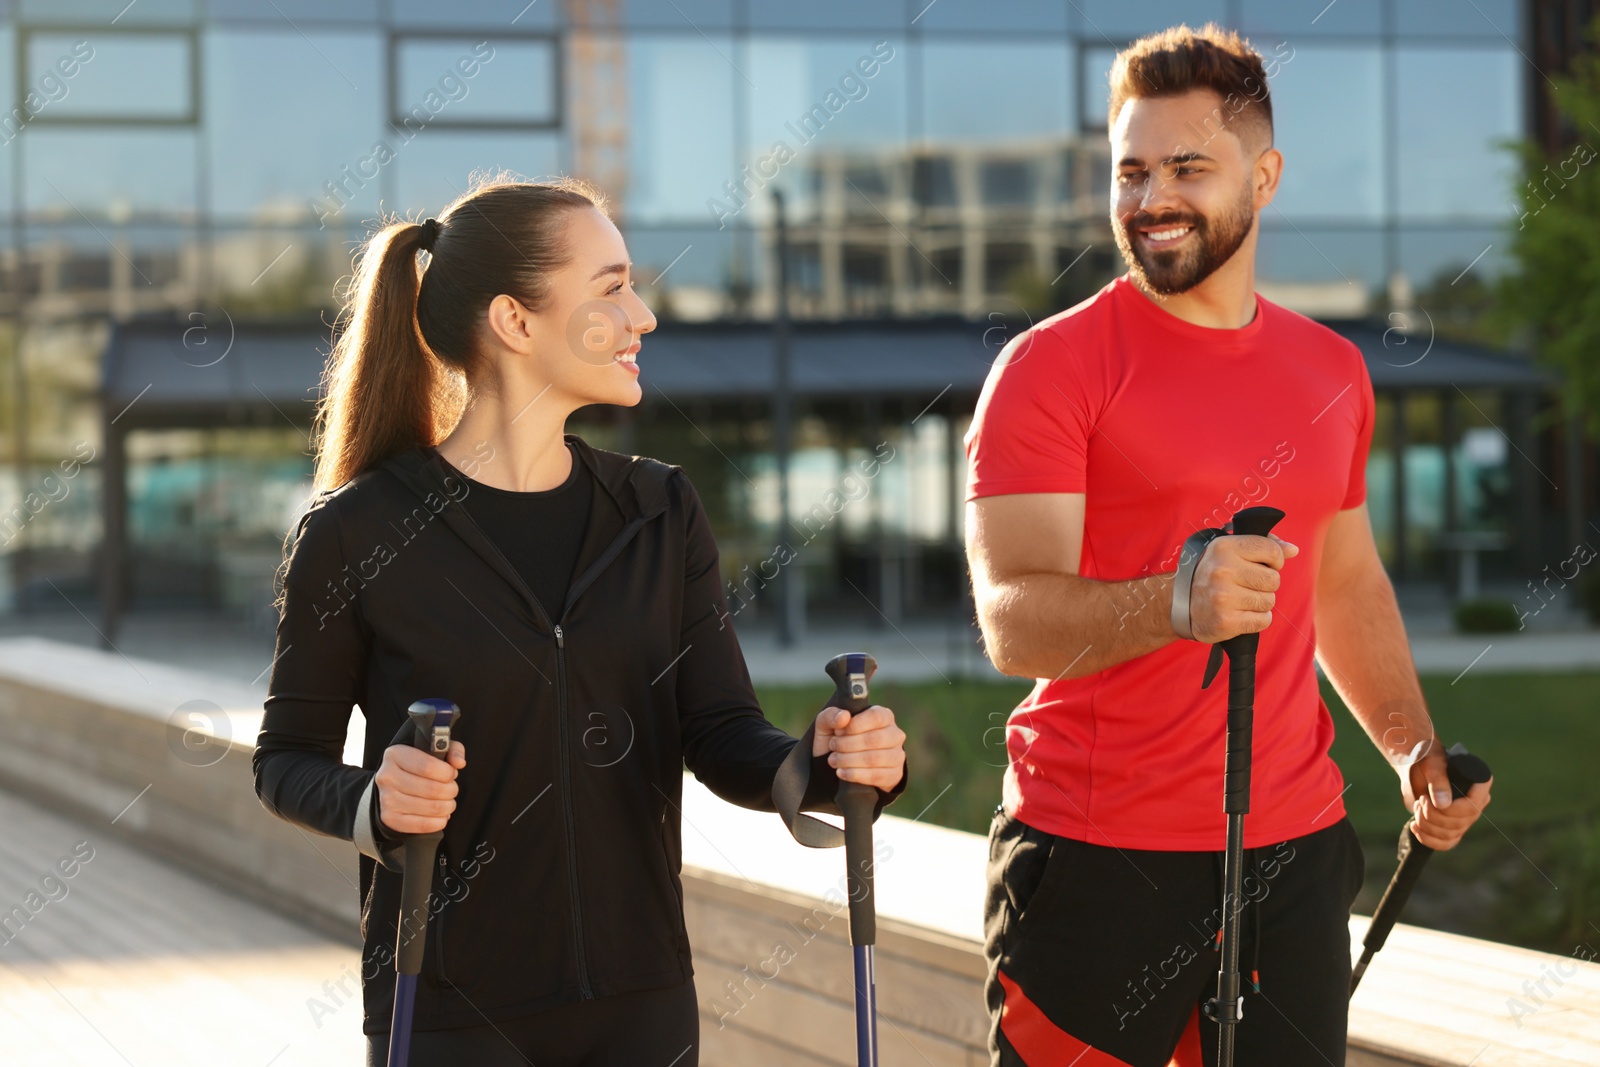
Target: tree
pixel 1552 294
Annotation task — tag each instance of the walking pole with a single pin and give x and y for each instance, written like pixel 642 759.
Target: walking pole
pixel 1465 770
pixel 850 673
pixel 1226 1008
pixel 429 729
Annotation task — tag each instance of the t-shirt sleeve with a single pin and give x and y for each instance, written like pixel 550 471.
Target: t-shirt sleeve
pixel 1355 493
pixel 1030 432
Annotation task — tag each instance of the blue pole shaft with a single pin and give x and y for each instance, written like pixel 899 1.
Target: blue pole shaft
pixel 405 998
pixel 866 1008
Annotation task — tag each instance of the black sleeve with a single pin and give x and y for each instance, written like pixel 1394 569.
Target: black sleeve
pixel 318 673
pixel 727 742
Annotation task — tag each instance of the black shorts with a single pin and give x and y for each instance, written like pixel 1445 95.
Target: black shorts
pixel 653 1028
pixel 1116 949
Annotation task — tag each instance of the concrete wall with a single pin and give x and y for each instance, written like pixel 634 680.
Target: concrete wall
pixel 107 739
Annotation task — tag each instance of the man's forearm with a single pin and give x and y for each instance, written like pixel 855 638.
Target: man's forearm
pixel 1068 626
pixel 1362 646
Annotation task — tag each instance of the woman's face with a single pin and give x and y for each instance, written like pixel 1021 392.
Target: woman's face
pixel 587 337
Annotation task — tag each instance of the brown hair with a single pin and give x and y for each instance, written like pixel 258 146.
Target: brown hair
pixel 408 356
pixel 1179 60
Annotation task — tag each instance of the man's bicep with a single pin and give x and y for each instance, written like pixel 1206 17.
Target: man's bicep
pixel 1024 533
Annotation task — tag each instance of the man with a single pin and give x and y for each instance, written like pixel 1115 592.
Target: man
pixel 1104 437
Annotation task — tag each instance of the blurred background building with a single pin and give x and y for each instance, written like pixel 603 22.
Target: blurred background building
pixel 181 210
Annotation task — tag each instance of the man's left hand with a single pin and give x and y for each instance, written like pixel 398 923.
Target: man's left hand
pixel 1439 818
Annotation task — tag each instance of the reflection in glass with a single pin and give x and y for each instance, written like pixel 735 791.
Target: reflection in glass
pixel 996 90
pixel 436 166
pixel 680 129
pixel 1453 107
pixel 1262 17
pixel 1481 18
pixel 1121 21
pixel 113 174
pixel 466 80
pixel 1327 110
pixel 821 98
pixel 114 75
pixel 1320 272
pixel 1096 86
pixel 331 112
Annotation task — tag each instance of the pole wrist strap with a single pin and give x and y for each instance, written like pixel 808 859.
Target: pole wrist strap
pixel 1183 580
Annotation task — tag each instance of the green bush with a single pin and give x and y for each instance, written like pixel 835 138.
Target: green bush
pixel 1487 617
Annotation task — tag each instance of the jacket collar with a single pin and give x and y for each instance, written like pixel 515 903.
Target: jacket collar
pixel 633 490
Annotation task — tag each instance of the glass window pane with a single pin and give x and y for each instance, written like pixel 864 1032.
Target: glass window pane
pixel 1453 106
pixel 1116 21
pixel 687 273
pixel 460 81
pixel 115 174
pixel 330 112
pixel 821 98
pixel 99 13
pixel 1437 259
pixel 143 75
pixel 457 14
pixel 1487 18
pixel 1300 18
pixel 437 165
pixel 965 98
pixel 678 14
pixel 1327 111
pixel 280 12
pixel 1096 67
pixel 1011 15
pixel 1318 272
pixel 680 126
pixel 830 15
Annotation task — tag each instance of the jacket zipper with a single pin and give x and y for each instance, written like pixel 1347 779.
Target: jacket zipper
pixel 611 553
pixel 566 810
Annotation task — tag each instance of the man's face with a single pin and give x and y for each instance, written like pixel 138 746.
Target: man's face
pixel 1182 189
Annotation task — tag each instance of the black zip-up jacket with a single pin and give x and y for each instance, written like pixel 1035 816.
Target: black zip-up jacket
pixel 558 879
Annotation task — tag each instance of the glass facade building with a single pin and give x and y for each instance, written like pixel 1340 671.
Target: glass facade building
pixel 202 159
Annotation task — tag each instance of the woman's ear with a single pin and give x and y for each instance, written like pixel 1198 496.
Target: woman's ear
pixel 509 322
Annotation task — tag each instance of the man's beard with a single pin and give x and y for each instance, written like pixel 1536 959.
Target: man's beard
pixel 1178 270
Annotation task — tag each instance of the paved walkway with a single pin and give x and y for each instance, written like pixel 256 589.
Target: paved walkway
pixel 132 963
pixel 918 648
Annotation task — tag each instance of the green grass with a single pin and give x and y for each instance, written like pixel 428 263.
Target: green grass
pixel 1529 873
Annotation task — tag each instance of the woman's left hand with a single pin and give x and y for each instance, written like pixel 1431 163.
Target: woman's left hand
pixel 866 747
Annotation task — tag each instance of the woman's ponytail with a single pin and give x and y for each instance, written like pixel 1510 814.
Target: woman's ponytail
pixel 383 390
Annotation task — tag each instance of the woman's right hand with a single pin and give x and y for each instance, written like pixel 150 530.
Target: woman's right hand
pixel 417 791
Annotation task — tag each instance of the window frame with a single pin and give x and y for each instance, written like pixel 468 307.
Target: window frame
pixel 190 34
pixel 398 38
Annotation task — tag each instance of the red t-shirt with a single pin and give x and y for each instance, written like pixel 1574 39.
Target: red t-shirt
pixel 1168 428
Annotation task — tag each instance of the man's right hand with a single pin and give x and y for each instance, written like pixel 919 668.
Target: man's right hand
pixel 1235 585
pixel 417 791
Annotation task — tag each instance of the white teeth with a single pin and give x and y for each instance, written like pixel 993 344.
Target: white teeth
pixel 627 358
pixel 1167 235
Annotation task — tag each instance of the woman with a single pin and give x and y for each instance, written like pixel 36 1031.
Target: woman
pixel 462 545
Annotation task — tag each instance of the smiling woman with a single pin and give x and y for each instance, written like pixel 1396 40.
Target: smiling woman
pixel 464 547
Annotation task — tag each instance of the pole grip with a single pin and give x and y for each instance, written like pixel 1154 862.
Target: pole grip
pixel 1465 771
pixel 851 673
pixel 428 727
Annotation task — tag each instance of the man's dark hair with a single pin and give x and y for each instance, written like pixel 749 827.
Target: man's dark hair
pixel 1180 60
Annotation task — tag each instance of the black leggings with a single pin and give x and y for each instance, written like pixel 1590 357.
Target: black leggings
pixel 1115 948
pixel 653 1028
